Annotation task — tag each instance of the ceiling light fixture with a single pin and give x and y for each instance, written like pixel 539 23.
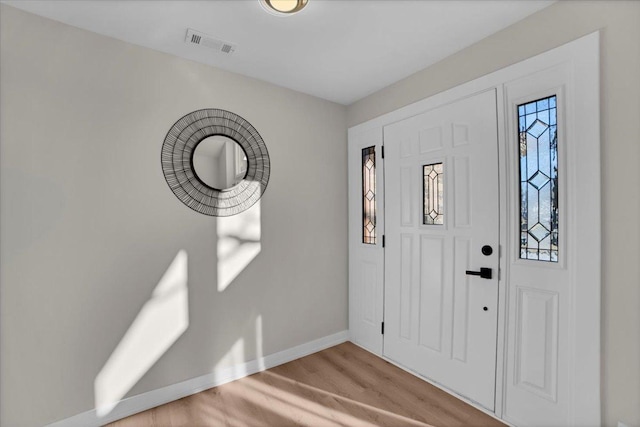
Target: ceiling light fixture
pixel 283 7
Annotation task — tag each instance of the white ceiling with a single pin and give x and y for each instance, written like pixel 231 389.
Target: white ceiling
pixel 334 49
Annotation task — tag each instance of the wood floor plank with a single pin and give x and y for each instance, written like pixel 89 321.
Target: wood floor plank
pixel 340 386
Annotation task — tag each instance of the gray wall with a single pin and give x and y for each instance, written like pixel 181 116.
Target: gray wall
pixel 620 119
pixel 89 225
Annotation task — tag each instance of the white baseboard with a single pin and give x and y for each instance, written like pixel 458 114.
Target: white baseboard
pixel 142 402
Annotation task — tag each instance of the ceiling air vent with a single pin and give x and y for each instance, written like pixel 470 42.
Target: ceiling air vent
pixel 204 40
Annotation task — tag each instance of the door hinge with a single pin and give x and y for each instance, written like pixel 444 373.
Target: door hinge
pixel 383 151
pixel 383 241
pixel 382 328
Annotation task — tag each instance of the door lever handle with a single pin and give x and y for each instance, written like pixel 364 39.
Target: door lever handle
pixel 484 273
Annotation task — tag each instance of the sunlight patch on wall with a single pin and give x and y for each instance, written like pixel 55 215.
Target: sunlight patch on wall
pixel 259 351
pixel 160 322
pixel 233 361
pixel 238 244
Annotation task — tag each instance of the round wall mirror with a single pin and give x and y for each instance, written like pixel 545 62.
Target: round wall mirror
pixel 215 162
pixel 219 162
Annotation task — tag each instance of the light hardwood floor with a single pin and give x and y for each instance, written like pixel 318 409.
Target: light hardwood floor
pixel 341 386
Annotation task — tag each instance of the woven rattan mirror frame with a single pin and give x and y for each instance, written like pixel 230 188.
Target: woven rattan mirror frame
pixel 177 162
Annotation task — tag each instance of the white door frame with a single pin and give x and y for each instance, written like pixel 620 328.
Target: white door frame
pixel 581 60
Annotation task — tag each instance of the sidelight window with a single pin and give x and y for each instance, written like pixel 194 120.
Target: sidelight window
pixel 538 140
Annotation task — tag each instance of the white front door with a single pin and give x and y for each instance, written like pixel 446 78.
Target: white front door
pixel 442 231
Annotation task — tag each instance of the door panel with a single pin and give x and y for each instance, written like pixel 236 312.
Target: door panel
pixel 439 321
pixel 431 292
pixel 462 257
pixel 537 349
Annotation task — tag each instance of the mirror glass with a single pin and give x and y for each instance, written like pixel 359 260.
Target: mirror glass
pixel 219 162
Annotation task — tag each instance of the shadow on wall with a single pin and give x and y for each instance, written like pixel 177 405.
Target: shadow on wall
pixel 165 316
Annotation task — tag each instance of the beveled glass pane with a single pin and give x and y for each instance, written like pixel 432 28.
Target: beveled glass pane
pixel 538 142
pixel 369 195
pixel 543 104
pixel 433 194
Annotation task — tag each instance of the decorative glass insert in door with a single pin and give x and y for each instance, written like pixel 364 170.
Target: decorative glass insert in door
pixel 433 194
pixel 369 195
pixel 538 140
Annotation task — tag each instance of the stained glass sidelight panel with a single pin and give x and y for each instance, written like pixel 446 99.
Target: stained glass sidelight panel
pixel 433 194
pixel 369 195
pixel 538 140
